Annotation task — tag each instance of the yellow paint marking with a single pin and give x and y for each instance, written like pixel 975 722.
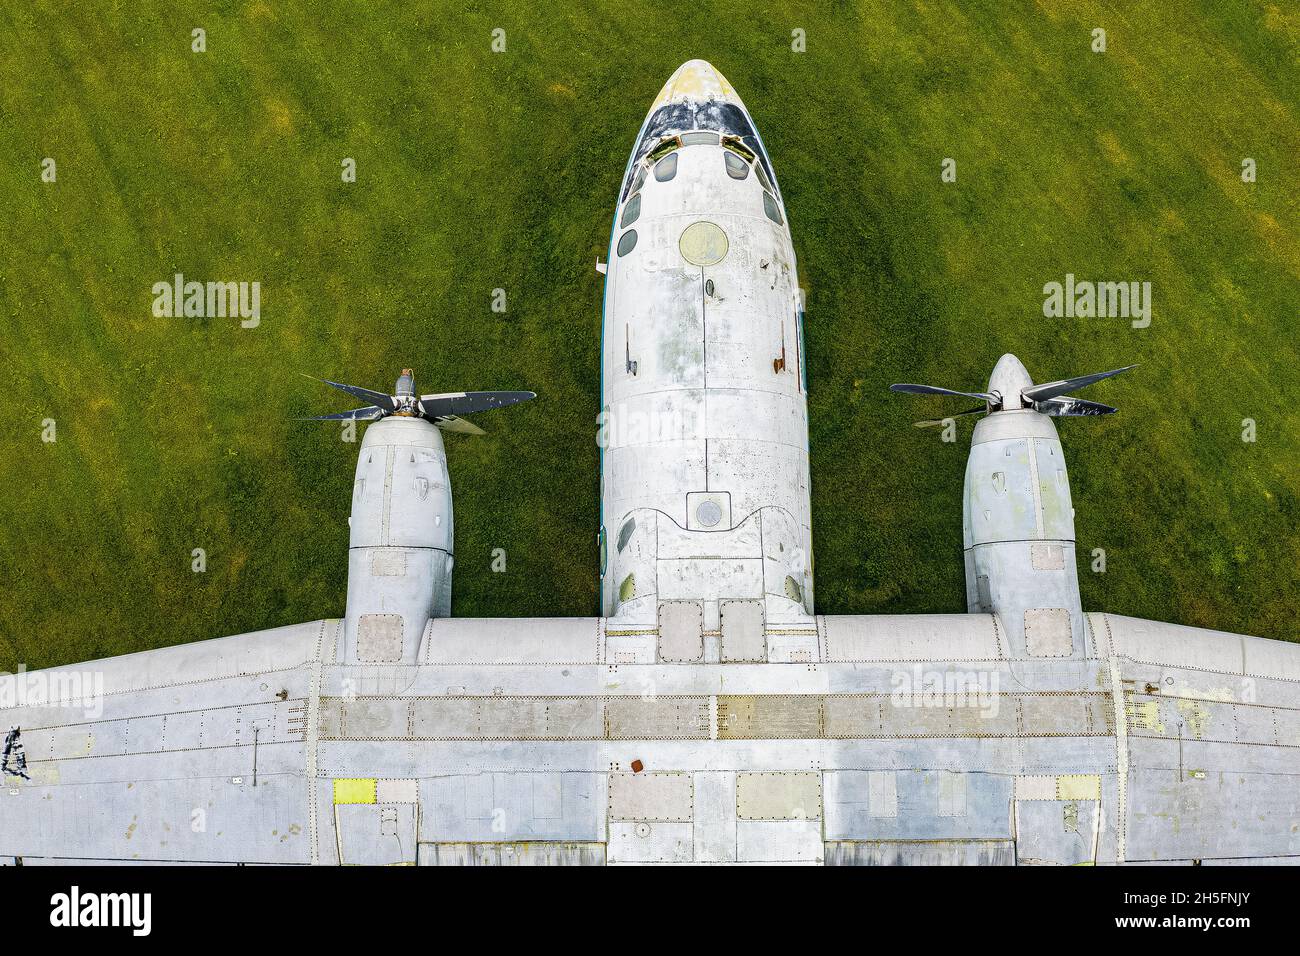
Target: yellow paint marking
pixel 354 790
pixel 1078 786
pixel 1145 715
pixel 1196 714
pixel 697 80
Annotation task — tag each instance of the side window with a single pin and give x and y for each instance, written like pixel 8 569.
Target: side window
pixel 630 212
pixel 737 168
pixel 666 168
pixel 762 177
pixel 627 242
pixel 773 211
pixel 640 179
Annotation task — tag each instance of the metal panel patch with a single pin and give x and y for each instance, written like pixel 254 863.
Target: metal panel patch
pixel 379 638
pixel 681 631
pixel 652 797
pixel 742 631
pixel 882 793
pixel 1047 557
pixel 771 717
pixel 387 563
pixel 1047 632
pixel 779 796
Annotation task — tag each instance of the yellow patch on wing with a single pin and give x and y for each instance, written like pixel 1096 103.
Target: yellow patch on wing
pixel 354 790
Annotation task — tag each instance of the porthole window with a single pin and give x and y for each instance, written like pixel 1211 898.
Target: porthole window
pixel 666 168
pixel 770 207
pixel 737 168
pixel 700 139
pixel 627 242
pixel 625 533
pixel 630 212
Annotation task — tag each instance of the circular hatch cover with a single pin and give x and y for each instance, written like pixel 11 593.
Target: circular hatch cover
pixel 708 513
pixel 703 244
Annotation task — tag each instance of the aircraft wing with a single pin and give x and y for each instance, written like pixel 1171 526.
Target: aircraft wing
pixel 195 752
pixel 576 740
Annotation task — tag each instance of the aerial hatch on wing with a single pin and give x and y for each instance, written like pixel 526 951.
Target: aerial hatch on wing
pixel 443 409
pixel 1010 378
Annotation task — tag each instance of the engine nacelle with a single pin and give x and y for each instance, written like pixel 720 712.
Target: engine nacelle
pixel 400 557
pixel 1018 529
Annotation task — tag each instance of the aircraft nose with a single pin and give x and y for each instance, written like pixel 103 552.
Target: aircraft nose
pixel 698 81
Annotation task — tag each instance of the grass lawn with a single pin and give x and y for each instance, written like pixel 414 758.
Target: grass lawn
pixel 479 171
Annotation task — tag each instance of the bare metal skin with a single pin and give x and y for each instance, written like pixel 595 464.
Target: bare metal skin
pixel 707 716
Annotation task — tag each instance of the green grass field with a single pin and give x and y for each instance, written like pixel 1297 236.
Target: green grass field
pixel 479 170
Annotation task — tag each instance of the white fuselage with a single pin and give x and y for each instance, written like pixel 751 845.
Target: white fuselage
pixel 704 428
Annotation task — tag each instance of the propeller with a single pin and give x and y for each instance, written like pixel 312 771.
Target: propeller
pixel 467 403
pixel 443 409
pixel 386 402
pixel 931 423
pixel 1038 393
pixel 935 390
pixel 1011 388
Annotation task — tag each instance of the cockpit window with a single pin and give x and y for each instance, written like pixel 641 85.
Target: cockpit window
pixel 771 208
pixel 737 168
pixel 666 146
pixel 762 178
pixel 700 139
pixel 734 143
pixel 627 242
pixel 666 168
pixel 639 181
pixel 630 212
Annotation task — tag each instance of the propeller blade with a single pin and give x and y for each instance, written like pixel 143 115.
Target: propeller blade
pixel 466 403
pixel 933 390
pixel 1073 406
pixel 369 413
pixel 450 423
pixel 1039 393
pixel 939 421
pixel 366 395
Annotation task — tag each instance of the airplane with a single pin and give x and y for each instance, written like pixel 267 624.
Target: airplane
pixel 708 714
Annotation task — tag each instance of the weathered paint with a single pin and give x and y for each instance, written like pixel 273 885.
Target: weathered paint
pixel 713 720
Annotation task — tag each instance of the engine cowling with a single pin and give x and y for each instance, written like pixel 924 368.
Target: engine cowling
pixel 1018 530
pixel 400 553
